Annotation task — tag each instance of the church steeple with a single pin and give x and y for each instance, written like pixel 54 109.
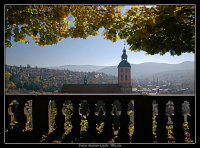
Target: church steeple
pixel 124 73
pixel 124 55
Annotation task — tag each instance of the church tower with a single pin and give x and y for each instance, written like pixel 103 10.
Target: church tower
pixel 124 73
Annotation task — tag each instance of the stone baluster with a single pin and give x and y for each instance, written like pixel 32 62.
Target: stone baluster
pixel 21 117
pixel 143 120
pixel 92 131
pixel 107 133
pixel 40 116
pixel 27 112
pixel 59 121
pixel 74 135
pixel 124 123
pixel 178 120
pixel 60 118
pixel 161 120
pixel 7 113
pixel 191 118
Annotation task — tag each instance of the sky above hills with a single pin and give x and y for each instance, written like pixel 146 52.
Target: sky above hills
pixel 91 51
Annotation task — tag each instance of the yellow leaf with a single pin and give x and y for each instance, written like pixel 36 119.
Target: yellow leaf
pixel 136 50
pixel 132 7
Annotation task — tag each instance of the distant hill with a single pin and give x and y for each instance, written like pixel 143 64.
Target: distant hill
pixel 150 68
pixel 178 75
pixel 143 70
pixel 78 68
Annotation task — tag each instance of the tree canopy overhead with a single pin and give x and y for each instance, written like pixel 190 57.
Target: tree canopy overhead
pixel 158 29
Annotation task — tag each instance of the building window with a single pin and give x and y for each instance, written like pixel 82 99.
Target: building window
pixel 126 70
pixel 121 70
pixel 125 77
pixel 121 77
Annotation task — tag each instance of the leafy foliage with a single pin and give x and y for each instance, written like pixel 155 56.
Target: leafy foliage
pixel 162 29
pixel 84 123
pixel 159 29
pixel 67 111
pixel 187 133
pixel 52 118
pixel 48 24
pixel 9 84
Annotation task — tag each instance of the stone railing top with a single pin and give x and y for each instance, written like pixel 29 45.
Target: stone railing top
pixel 35 94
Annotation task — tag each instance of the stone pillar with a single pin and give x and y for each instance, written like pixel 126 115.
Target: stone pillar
pixel 40 116
pixel 8 100
pixel 92 131
pixel 59 121
pixel 191 118
pixel 124 123
pixel 178 120
pixel 60 118
pixel 143 120
pixel 76 120
pixel 161 119
pixel 108 132
pixel 21 117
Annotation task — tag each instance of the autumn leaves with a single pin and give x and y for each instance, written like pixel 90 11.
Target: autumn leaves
pixel 155 30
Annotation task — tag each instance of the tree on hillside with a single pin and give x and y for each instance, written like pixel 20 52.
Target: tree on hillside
pixel 7 75
pixel 8 82
pixel 159 29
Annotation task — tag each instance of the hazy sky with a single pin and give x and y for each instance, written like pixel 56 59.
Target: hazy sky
pixel 91 51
